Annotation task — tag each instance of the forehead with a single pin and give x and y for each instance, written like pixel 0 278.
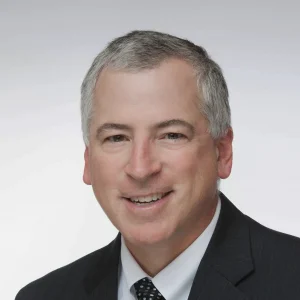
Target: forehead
pixel 168 91
pixel 173 76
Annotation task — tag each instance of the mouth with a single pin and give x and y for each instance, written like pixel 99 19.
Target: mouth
pixel 144 201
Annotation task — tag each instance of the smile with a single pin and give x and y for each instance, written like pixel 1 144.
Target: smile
pixel 148 199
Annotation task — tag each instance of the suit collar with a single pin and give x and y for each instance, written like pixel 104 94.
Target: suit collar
pixel 227 260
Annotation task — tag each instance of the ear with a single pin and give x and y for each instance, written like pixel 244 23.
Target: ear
pixel 86 171
pixel 224 154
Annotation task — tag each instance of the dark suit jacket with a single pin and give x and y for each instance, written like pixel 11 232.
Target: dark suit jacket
pixel 244 260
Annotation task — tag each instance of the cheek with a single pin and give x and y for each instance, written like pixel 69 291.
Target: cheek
pixel 193 165
pixel 103 171
pixel 185 161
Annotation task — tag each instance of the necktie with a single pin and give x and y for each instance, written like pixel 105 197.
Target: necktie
pixel 145 290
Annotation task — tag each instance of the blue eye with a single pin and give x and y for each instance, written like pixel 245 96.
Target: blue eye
pixel 175 136
pixel 121 138
pixel 115 138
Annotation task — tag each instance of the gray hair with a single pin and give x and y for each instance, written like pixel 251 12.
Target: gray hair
pixel 140 50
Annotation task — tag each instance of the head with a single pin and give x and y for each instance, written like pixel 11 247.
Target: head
pixel 156 119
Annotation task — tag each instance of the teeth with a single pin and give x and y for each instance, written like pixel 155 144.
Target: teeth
pixel 147 199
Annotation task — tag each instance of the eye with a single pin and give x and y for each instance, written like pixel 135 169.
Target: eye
pixel 175 136
pixel 115 138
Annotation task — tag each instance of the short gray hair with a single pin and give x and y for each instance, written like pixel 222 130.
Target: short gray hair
pixel 140 50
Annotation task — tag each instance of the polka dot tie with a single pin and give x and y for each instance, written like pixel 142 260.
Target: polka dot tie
pixel 145 290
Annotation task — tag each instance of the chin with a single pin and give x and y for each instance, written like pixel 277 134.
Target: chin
pixel 146 235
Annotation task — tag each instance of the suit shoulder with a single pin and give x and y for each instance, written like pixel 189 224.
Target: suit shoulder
pixel 276 262
pixel 274 245
pixel 61 278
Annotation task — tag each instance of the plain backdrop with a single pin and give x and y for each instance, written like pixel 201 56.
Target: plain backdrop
pixel 48 217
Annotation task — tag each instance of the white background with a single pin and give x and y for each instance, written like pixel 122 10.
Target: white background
pixel 48 217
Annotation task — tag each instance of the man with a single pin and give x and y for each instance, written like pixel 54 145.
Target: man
pixel 157 128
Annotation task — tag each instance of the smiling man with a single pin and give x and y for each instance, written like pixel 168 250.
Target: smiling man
pixel 157 129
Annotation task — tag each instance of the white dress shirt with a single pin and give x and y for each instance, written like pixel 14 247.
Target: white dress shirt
pixel 174 281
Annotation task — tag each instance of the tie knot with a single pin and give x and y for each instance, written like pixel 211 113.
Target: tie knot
pixel 146 290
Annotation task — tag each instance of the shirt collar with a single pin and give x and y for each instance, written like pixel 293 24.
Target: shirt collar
pixel 182 278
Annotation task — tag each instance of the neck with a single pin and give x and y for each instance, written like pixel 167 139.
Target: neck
pixel 154 258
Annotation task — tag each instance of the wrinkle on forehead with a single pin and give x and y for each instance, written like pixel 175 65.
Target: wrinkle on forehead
pixel 170 72
pixel 167 92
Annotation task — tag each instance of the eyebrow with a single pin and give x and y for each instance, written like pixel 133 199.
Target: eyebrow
pixel 160 125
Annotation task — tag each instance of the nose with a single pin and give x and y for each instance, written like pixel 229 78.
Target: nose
pixel 143 162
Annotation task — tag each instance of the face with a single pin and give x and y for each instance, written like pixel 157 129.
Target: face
pixel 147 136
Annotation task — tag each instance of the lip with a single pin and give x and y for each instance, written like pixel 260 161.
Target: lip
pixel 147 210
pixel 146 195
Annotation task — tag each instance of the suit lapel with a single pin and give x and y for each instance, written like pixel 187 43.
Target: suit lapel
pixel 227 259
pixel 102 280
pixel 211 285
